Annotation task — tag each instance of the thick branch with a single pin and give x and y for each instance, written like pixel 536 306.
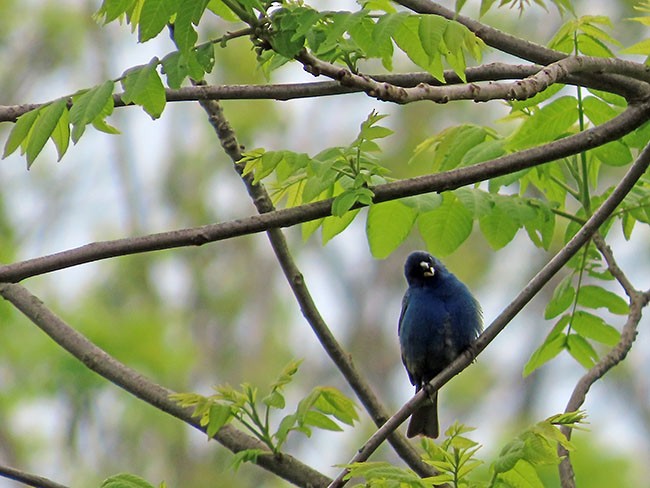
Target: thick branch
pixel 341 358
pixel 615 128
pixel 521 48
pixel 498 324
pixel 518 90
pixel 99 361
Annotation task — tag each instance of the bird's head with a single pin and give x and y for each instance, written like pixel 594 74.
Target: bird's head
pixel 421 267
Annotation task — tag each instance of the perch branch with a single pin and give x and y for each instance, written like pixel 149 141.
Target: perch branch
pixel 499 323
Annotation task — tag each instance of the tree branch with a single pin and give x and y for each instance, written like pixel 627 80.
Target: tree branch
pixel 341 358
pixel 499 323
pixel 521 48
pixel 518 90
pixel 27 478
pixel 638 301
pixel 611 130
pixel 96 359
pixel 290 91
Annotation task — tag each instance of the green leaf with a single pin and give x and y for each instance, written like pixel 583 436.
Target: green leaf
pixel 581 350
pixel 431 30
pixel 387 225
pixel 523 475
pixel 61 134
pixel 220 9
pixel 345 201
pixel 125 480
pixel 552 346
pixel 321 421
pixel 43 128
pixel 154 16
pixel 189 12
pixel 478 202
pixel 20 131
pixel 447 227
pixel 483 151
pixel 451 147
pixel 142 86
pixel 561 300
pixel 593 327
pixel 454 37
pixel 596 297
pixel 545 125
pixel 331 401
pixel 112 9
pixel 287 424
pixel 219 415
pixel 275 399
pixel 381 473
pixel 287 374
pixel 615 153
pixel 333 226
pixel 498 226
pixel 642 47
pixel 246 456
pixel 87 106
pixel 407 36
pixel 174 67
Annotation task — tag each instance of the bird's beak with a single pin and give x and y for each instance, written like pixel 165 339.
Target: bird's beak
pixel 427 268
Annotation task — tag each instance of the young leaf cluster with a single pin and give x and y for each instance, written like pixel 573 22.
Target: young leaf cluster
pixel 320 409
pixel 456 461
pixel 516 464
pixel 127 480
pixel 60 121
pixel 455 458
pixel 347 37
pixel 344 172
pixel 486 5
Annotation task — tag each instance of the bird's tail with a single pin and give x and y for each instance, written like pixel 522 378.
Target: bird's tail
pixel 425 419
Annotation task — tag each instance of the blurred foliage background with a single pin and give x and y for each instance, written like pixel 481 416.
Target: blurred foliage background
pixel 222 313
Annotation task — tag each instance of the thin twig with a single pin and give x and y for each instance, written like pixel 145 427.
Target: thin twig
pixel 498 324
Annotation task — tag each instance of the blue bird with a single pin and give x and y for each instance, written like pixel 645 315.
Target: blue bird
pixel 439 319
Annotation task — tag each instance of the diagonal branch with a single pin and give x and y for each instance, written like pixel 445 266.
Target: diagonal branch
pixel 631 118
pixel 581 238
pixel 96 359
pixel 27 478
pixel 341 358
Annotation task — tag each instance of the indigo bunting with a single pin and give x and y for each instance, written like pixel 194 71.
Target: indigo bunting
pixel 439 319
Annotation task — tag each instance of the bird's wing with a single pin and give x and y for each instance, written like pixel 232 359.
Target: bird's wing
pixel 405 302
